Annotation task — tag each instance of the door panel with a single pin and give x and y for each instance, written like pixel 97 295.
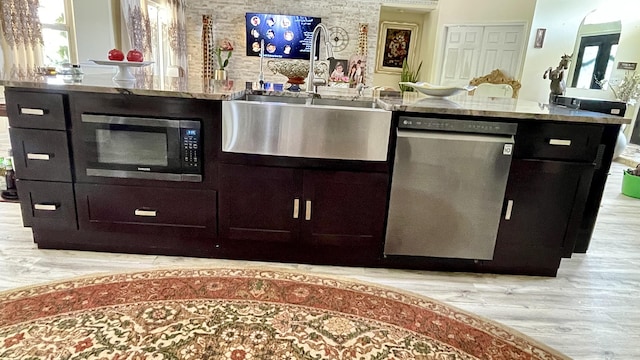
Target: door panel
pixel 257 203
pixel 347 209
pixel 472 51
pixel 537 227
pixel 501 48
pixel 461 54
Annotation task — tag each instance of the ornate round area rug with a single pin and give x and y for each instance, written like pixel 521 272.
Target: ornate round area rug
pixel 243 314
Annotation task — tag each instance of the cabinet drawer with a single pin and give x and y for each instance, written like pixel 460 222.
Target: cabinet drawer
pixel 41 154
pixel 147 210
pixel 35 110
pixel 47 204
pixel 573 142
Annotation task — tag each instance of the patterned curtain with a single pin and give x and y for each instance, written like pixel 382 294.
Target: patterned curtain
pixel 21 37
pixel 177 36
pixel 138 28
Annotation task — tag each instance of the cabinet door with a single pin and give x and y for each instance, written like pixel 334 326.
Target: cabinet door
pixel 345 209
pixel 541 213
pixel 259 203
pixel 41 154
pixel 36 110
pixel 47 205
pixel 146 210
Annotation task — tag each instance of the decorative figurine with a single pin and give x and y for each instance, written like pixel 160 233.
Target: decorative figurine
pixel 556 76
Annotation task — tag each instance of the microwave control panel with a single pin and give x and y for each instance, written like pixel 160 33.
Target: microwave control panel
pixel 190 147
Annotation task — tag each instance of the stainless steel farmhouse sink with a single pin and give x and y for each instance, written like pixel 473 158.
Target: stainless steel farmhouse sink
pixel 306 127
pixel 360 103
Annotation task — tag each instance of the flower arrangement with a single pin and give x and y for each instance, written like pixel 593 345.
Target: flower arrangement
pixel 227 47
pixel 628 89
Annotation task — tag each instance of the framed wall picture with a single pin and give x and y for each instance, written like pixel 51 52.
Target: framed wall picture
pixel 539 38
pixel 396 42
pixel 339 71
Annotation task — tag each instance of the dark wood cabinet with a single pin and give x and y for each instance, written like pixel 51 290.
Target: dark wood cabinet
pixel 344 209
pixel 257 203
pixel 543 206
pixel 41 154
pixel 557 141
pixel 36 110
pixel 282 208
pixel 297 209
pixel 146 210
pixel 40 143
pixel 47 205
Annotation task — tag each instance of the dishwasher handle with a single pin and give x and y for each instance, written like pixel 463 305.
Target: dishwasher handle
pixel 422 134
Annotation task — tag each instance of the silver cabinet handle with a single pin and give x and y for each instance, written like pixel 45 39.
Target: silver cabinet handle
pixel 307 214
pixel 296 208
pixel 32 111
pixel 507 215
pixel 45 207
pixel 560 142
pixel 148 213
pixel 33 156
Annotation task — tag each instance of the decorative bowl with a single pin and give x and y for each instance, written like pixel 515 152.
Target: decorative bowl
pixel 296 70
pixel 436 90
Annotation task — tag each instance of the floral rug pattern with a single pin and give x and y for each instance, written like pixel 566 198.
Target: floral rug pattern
pixel 243 314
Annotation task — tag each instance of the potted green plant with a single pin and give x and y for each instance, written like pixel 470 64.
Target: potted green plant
pixel 631 182
pixel 409 75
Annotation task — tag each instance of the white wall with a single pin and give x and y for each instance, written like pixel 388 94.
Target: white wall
pixel 95 34
pixel 562 20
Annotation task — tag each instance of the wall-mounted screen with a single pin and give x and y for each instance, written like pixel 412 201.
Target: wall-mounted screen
pixel 285 36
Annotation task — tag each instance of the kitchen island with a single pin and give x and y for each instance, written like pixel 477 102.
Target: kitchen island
pixel 285 208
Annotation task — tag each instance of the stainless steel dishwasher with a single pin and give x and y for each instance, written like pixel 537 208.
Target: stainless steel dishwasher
pixel 447 188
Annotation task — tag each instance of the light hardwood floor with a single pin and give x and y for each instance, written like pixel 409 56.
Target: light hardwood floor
pixel 589 311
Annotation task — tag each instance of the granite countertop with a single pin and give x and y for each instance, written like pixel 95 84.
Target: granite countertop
pixel 193 88
pixel 197 88
pixel 469 105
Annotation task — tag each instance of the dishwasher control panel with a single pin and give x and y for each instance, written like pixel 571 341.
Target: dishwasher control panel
pixel 453 125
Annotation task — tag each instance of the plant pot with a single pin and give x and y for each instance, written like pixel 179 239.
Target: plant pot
pixel 631 185
pixel 220 75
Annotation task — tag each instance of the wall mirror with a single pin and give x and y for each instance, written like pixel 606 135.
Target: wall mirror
pixel 595 50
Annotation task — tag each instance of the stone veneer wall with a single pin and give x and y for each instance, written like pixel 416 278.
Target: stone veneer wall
pixel 229 22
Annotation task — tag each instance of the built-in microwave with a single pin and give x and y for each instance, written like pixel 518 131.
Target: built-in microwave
pixel 142 148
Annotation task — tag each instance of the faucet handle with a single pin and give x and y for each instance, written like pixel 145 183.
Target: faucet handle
pixel 360 88
pixel 319 82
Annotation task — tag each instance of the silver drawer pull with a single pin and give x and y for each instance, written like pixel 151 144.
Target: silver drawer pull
pixel 296 208
pixel 507 215
pixel 45 207
pixel 560 142
pixel 149 213
pixel 307 215
pixel 32 156
pixel 31 111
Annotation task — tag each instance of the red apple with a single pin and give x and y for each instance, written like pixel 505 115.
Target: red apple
pixel 134 55
pixel 115 54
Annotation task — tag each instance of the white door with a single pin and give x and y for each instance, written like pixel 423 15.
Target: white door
pixel 461 54
pixel 484 49
pixel 501 48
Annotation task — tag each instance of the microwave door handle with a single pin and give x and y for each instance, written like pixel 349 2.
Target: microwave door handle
pixel 136 121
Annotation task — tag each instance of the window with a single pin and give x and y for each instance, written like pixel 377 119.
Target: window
pixel 159 21
pixel 56 18
pixel 596 57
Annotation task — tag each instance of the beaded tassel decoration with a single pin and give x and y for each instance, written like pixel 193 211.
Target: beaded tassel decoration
pixel 362 39
pixel 208 48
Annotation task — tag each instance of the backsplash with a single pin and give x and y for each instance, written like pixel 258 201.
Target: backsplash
pixel 229 22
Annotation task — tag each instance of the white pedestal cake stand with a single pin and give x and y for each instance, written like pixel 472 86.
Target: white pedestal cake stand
pixel 123 74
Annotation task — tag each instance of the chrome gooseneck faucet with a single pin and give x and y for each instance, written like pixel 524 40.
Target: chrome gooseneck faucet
pixel 312 82
pixel 261 75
